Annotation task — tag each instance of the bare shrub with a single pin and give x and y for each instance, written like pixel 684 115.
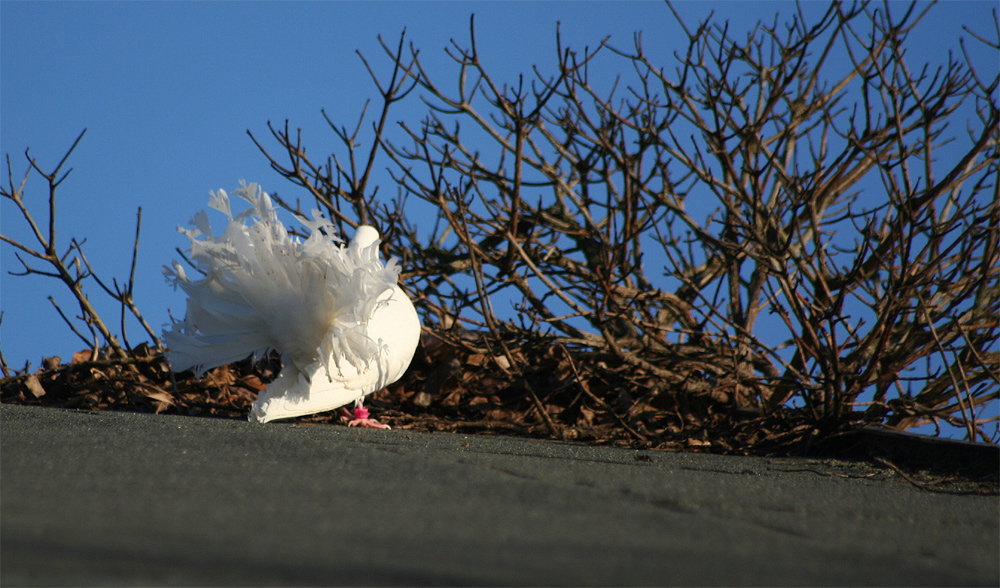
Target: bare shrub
pixel 749 235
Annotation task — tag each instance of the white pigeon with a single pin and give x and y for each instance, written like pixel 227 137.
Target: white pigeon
pixel 335 313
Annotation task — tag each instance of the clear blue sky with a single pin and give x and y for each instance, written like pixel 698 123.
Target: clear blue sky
pixel 168 90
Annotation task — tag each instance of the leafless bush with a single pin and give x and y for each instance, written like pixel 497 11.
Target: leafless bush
pixel 745 234
pixel 71 267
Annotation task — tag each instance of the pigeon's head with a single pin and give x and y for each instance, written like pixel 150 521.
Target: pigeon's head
pixel 364 236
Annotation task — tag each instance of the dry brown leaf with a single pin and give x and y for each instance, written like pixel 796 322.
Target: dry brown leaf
pixel 34 386
pixel 476 359
pixel 422 399
pixel 502 361
pixel 497 415
pixel 159 407
pixel 159 396
pixel 221 376
pixel 253 382
pixel 454 397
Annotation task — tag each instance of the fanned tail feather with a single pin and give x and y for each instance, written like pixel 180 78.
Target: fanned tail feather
pixel 263 289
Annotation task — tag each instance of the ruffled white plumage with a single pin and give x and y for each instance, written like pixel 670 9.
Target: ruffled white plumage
pixel 343 327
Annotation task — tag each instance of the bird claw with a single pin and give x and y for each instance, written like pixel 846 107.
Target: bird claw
pixel 360 419
pixel 367 423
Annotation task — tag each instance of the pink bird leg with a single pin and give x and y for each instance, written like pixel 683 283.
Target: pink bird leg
pixel 360 418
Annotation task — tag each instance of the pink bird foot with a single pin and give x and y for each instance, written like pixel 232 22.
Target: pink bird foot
pixel 360 419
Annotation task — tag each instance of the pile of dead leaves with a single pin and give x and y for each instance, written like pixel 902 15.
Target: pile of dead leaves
pixel 142 382
pixel 453 384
